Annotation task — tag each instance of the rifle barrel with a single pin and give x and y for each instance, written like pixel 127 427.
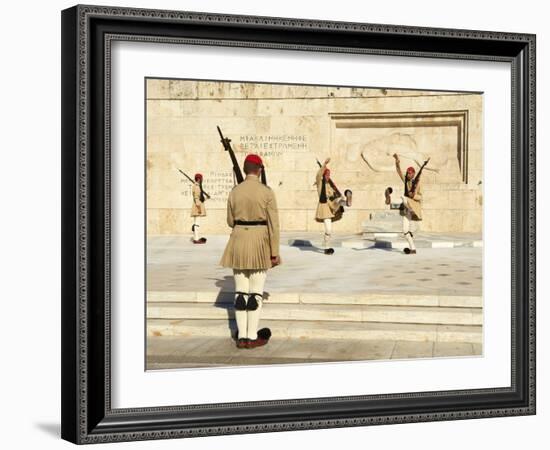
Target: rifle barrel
pixel 187 176
pixel 417 177
pixel 193 181
pixel 227 146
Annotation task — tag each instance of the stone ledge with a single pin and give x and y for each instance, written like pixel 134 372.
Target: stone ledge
pixel 387 238
pixel 325 330
pixel 400 244
pixel 324 313
pixel 457 301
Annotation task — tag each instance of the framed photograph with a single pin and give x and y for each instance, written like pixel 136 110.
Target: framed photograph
pixel 281 224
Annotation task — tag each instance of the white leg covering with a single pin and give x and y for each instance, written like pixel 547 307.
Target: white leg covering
pixel 242 284
pixel 257 282
pixel 196 228
pixel 406 230
pixel 328 231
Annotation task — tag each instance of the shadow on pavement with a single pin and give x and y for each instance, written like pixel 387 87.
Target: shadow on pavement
pixel 308 248
pixel 385 249
pixel 223 300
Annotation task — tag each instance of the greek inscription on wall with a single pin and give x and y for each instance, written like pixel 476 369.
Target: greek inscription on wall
pixel 273 144
pixel 216 183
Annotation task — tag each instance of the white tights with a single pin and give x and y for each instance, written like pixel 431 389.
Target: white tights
pixel 407 223
pixel 328 231
pixel 249 282
pixel 196 228
pixel 328 225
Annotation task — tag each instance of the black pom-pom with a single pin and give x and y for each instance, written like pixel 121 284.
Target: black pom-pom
pixel 264 333
pixel 252 304
pixel 240 303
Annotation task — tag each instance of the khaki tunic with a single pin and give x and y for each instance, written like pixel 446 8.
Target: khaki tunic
pixel 331 209
pixel 252 246
pixel 197 208
pixel 415 203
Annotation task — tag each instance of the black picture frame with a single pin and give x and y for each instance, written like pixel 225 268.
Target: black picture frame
pixel 87 33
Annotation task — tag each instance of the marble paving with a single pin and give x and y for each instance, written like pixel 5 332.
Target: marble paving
pixel 356 305
pixel 175 264
pixel 169 352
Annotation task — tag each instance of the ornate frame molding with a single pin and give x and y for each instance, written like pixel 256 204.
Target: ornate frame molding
pixel 88 32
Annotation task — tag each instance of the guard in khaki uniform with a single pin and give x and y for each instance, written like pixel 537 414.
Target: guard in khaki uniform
pixel 197 208
pixel 331 203
pixel 411 208
pixel 253 248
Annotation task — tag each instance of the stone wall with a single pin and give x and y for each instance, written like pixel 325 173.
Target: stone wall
pixel 291 127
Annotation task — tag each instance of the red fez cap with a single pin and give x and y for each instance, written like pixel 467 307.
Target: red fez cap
pixel 198 176
pixel 411 170
pixel 254 159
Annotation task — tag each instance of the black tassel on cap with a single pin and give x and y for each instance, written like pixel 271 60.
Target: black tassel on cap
pixel 202 198
pixel 263 178
pixel 323 196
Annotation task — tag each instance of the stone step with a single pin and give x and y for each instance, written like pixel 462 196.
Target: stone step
pixel 368 298
pixel 295 329
pixel 384 238
pixel 400 243
pixel 325 313
pixel 383 221
pixel 389 214
pixel 382 234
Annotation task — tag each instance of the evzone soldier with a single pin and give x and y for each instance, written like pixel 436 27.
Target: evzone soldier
pixel 197 208
pixel 411 207
pixel 252 249
pixel 331 203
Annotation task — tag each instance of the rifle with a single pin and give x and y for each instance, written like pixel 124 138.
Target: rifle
pixel 193 181
pixel 226 142
pixel 417 178
pixel 332 185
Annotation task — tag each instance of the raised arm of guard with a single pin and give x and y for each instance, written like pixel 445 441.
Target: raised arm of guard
pixel 417 178
pixel 332 185
pixel 398 166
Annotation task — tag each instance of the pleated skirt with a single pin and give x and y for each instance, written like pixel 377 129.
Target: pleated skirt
pixel 416 209
pixel 328 211
pixel 198 211
pixel 248 248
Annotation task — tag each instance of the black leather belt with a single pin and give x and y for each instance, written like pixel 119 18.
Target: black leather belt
pixel 251 223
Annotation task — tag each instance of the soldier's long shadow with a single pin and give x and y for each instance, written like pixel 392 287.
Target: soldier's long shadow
pixel 312 249
pixel 384 249
pixel 224 300
pixel 305 245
